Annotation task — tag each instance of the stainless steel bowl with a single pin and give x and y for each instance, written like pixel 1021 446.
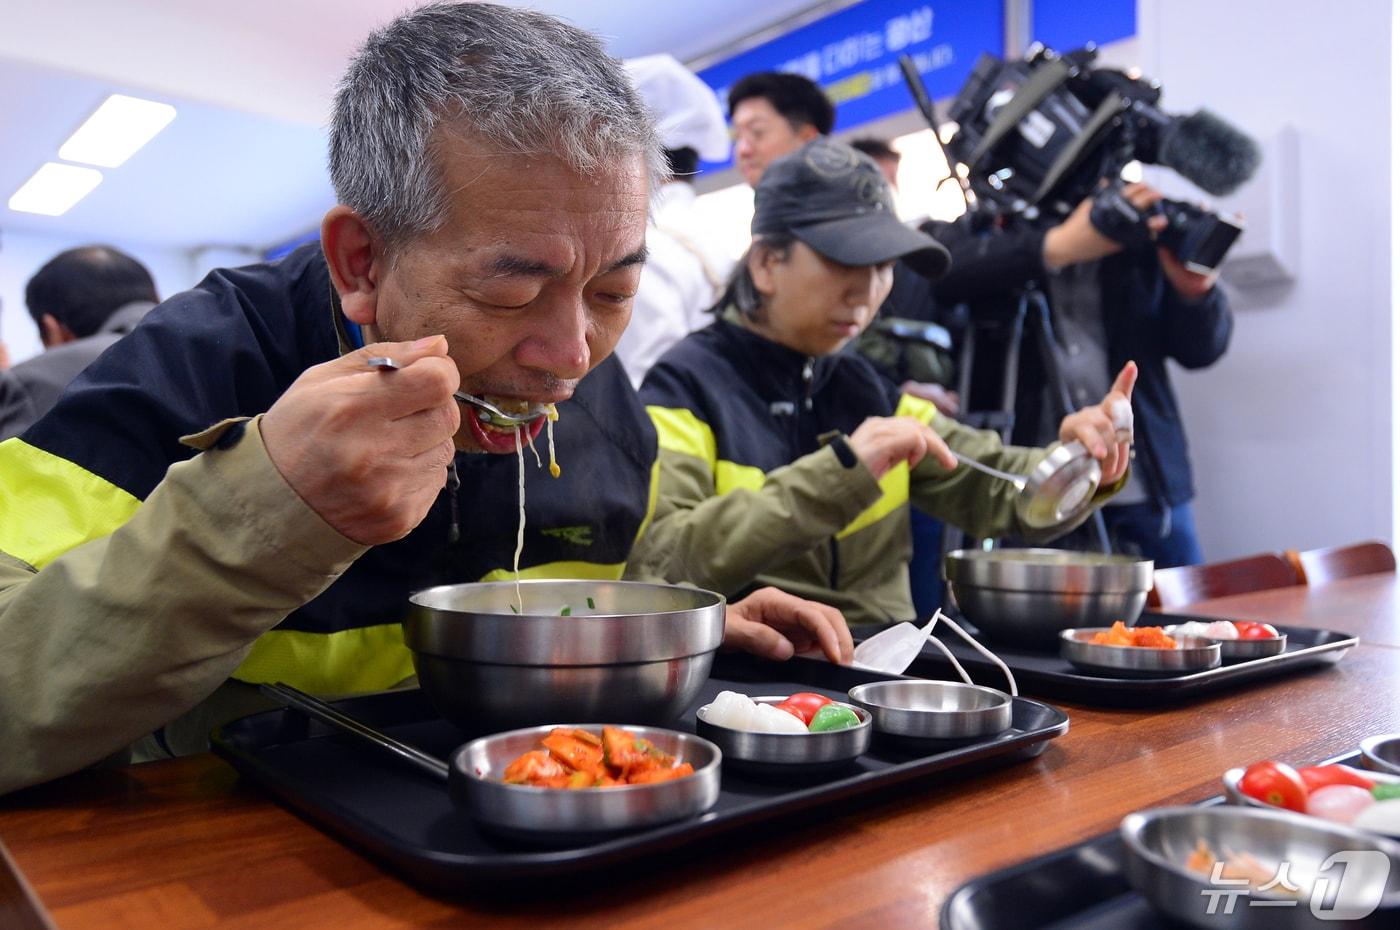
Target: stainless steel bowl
pixel 1381 754
pixel 1026 596
pixel 1158 842
pixel 640 654
pixel 946 710
pixel 1192 654
pixel 787 753
pixel 561 816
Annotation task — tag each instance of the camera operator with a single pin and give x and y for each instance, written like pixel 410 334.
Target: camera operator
pixel 1109 303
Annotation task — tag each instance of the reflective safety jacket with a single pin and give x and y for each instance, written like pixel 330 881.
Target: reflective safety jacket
pixel 758 485
pixel 138 573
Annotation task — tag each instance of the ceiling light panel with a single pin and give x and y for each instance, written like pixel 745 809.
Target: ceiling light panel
pixel 54 189
pixel 116 130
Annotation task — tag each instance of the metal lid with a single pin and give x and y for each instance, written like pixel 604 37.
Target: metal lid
pixel 1060 489
pixel 1061 571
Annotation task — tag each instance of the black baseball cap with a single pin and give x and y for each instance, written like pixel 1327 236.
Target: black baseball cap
pixel 835 200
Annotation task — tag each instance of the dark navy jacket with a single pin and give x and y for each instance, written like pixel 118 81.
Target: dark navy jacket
pixel 1145 321
pixel 231 346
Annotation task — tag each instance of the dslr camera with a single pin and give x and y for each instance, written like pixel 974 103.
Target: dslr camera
pixel 1036 137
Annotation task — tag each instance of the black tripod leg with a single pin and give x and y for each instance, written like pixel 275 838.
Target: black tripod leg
pixel 1045 340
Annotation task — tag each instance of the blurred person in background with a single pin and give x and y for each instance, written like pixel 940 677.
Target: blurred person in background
pixel 82 300
pixel 1109 303
pixel 686 269
pixel 885 157
pixel 774 114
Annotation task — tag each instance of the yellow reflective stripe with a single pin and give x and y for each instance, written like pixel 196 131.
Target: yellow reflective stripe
pixel 583 570
pixel 731 476
pixel 917 407
pixel 680 430
pixel 49 505
pixel 369 658
pixel 894 487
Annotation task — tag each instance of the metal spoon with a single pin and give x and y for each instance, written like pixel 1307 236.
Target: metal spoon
pixel 1018 480
pixel 485 409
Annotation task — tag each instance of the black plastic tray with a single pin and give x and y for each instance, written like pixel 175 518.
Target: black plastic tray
pixel 407 820
pixel 1081 887
pixel 1046 674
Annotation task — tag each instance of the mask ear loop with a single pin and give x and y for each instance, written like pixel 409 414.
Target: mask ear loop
pixel 967 637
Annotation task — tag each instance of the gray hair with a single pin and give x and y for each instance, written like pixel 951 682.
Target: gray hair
pixel 519 81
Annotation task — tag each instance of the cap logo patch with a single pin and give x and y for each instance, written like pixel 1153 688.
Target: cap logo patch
pixel 830 161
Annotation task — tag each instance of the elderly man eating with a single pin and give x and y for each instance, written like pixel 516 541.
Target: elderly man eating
pixel 238 494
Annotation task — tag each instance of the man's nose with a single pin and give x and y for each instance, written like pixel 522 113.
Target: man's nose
pixel 743 147
pixel 559 345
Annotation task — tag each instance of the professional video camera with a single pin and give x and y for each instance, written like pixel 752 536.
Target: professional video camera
pixel 1038 136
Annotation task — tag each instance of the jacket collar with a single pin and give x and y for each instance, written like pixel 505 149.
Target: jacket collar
pixel 779 373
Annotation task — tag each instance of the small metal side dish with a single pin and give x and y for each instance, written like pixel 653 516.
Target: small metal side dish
pixel 787 753
pixel 1192 654
pixel 934 710
pixel 561 816
pixel 1362 869
pixel 1382 754
pixel 1241 650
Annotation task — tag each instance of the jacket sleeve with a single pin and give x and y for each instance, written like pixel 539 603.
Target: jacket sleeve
pixel 988 265
pixel 977 503
pixel 724 541
pixel 1197 333
pixel 110 640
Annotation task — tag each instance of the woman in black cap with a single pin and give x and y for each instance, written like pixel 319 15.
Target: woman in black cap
pixel 787 462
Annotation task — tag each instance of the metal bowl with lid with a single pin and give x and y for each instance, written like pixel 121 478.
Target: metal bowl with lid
pixel 612 651
pixel 1027 596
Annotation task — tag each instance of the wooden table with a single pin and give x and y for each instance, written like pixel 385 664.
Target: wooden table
pixel 185 843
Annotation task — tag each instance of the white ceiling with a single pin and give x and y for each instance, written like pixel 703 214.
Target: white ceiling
pixel 244 161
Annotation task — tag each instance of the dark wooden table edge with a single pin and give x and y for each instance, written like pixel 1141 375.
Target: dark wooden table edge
pixel 19 905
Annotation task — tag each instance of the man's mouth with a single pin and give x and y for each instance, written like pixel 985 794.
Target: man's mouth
pixel 496 437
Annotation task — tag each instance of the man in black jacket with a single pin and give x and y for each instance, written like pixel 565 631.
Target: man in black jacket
pixel 1108 304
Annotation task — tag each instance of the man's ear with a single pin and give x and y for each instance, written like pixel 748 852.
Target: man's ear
pixel 355 259
pixel 807 132
pixel 52 332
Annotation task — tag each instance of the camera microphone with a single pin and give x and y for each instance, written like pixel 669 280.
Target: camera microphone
pixel 1208 152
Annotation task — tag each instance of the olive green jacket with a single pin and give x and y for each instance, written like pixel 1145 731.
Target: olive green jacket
pixel 752 491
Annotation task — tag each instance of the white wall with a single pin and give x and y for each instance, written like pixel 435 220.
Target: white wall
pixel 22 254
pixel 1291 430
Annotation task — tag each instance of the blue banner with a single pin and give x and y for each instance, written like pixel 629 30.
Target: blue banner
pixel 853 54
pixel 1065 25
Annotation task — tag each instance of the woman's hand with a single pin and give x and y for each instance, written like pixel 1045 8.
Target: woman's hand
pixel 776 625
pixel 883 442
pixel 1097 427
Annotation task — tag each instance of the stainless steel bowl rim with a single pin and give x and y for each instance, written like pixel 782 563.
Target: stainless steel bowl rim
pixel 443 621
pixel 1000 698
pixel 1051 571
